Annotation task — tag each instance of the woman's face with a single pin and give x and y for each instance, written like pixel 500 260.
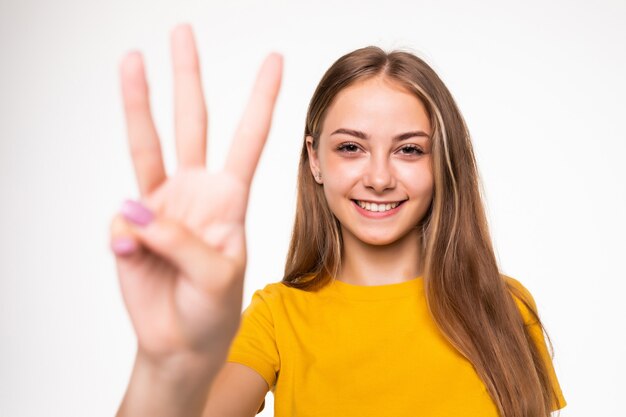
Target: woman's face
pixel 375 149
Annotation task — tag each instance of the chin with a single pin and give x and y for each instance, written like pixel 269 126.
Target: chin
pixel 380 240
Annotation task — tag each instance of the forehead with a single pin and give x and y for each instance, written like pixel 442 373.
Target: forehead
pixel 376 105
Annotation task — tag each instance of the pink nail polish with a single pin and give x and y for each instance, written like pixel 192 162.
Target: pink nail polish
pixel 123 246
pixel 136 212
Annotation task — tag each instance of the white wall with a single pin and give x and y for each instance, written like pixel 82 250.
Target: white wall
pixel 541 85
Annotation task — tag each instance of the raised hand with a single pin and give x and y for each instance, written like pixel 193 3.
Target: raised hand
pixel 181 253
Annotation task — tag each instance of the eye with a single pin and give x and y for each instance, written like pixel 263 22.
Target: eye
pixel 348 147
pixel 411 150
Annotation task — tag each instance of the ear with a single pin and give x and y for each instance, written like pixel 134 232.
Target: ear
pixel 314 162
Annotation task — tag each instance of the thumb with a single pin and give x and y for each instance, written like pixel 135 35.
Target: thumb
pixel 193 257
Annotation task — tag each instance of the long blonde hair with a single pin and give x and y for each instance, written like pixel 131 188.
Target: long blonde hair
pixel 467 296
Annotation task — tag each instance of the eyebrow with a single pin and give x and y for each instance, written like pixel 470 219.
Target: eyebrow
pixel 365 136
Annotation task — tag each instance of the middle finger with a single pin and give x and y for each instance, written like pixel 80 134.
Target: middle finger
pixel 190 118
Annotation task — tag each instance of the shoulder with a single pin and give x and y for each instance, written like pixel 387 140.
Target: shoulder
pixel 272 303
pixel 280 289
pixel 516 285
pixel 273 290
pixel 282 299
pixel 272 293
pixel 523 298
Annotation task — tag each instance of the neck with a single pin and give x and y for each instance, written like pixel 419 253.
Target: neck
pixel 365 264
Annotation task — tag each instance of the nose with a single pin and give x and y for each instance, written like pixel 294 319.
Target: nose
pixel 379 175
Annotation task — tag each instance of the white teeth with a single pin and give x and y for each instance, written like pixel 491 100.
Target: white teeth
pixel 377 207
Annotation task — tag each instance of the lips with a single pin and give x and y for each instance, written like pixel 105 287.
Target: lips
pixel 379 203
pixel 377 214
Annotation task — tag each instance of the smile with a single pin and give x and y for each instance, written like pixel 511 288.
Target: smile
pixel 377 210
pixel 377 207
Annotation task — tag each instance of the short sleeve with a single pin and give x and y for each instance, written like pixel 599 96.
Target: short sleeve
pixel 538 336
pixel 254 344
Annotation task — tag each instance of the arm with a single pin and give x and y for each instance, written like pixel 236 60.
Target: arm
pixel 237 391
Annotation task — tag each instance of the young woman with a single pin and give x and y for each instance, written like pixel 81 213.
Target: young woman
pixel 392 303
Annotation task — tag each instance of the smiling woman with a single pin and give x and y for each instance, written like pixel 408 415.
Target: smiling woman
pixel 391 301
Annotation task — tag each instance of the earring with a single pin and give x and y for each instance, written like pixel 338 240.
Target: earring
pixel 318 176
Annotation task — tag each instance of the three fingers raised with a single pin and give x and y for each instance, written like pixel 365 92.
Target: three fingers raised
pixel 191 118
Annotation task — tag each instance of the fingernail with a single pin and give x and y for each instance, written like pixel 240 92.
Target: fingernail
pixel 123 246
pixel 136 212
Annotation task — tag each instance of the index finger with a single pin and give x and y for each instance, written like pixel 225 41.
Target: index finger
pixel 255 123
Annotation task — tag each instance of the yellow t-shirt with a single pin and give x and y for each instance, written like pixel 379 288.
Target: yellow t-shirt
pixel 351 350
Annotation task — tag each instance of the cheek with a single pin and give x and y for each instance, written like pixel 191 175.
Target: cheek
pixel 340 176
pixel 336 187
pixel 341 167
pixel 419 181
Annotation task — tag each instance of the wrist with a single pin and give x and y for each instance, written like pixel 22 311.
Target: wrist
pixel 173 386
pixel 178 367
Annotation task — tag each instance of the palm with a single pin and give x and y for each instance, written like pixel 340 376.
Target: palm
pixel 213 205
pixel 169 310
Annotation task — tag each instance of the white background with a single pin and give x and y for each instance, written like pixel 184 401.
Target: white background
pixel 541 85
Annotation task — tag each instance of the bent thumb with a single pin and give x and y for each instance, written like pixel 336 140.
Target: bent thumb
pixel 178 245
